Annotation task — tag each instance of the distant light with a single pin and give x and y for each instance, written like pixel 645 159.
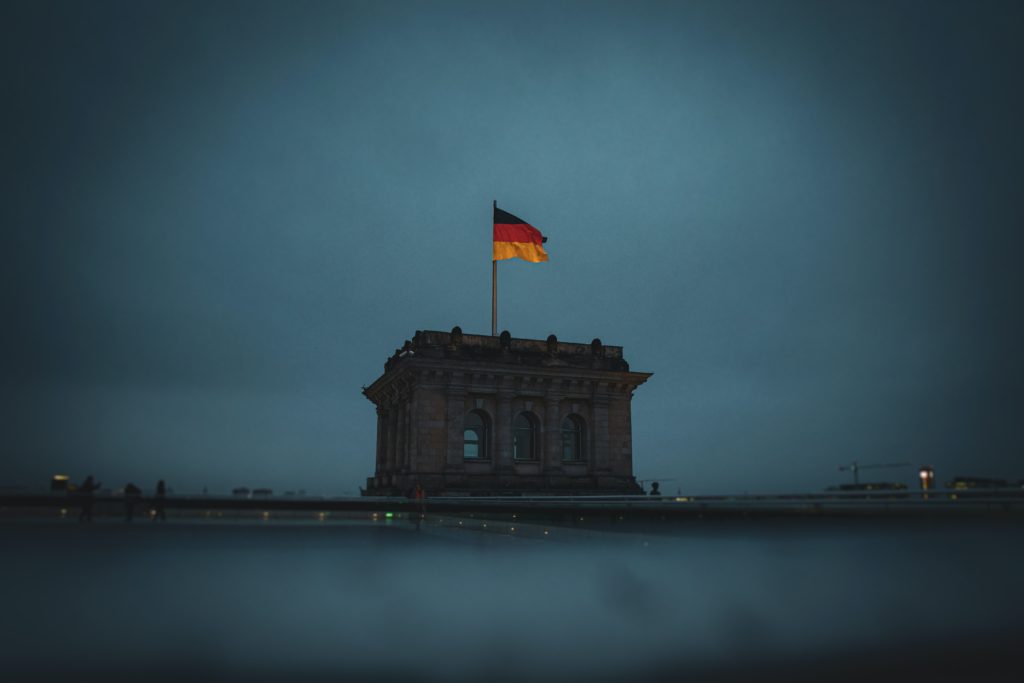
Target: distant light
pixel 60 477
pixel 682 499
pixel 389 515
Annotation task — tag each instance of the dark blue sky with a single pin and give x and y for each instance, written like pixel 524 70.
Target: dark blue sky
pixel 220 218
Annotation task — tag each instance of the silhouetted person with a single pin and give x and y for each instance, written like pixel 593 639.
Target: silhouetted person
pixel 131 496
pixel 84 495
pixel 655 493
pixel 420 496
pixel 158 502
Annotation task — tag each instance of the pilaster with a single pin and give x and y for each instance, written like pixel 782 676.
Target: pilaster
pixel 455 412
pixel 600 403
pixel 552 456
pixel 503 425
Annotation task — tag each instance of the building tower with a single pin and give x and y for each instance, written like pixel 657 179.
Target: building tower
pixel 463 414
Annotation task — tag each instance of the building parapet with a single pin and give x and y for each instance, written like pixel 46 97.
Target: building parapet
pixel 508 350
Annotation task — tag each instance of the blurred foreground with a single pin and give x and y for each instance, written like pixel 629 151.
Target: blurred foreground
pixel 251 600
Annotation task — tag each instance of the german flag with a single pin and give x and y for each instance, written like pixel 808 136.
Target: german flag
pixel 515 238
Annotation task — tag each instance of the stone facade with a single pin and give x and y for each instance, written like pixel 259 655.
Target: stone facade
pixel 469 414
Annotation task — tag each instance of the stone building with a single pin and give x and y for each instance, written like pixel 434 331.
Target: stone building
pixel 470 414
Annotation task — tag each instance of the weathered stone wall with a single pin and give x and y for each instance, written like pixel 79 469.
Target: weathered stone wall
pixel 430 425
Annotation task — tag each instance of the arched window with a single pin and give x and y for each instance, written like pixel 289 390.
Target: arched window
pixel 572 438
pixel 475 436
pixel 524 437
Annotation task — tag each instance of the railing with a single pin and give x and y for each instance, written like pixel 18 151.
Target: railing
pixel 834 503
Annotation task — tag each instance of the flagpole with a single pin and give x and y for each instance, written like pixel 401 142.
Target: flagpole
pixel 494 288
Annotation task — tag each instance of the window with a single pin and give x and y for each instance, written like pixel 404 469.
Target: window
pixel 475 435
pixel 524 430
pixel 572 438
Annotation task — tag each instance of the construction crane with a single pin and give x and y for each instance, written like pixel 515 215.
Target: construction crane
pixel 855 467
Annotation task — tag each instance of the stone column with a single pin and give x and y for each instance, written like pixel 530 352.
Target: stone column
pixel 600 428
pixel 455 411
pixel 401 462
pixel 552 457
pixel 392 428
pixel 627 459
pixel 381 440
pixel 503 430
pixel 412 454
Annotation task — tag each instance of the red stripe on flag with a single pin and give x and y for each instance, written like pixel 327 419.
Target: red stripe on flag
pixel 517 232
